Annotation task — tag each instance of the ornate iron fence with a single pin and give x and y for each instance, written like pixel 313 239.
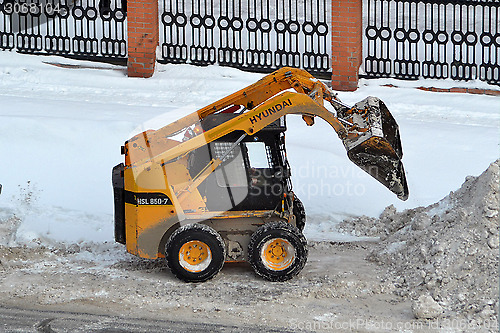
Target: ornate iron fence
pixel 257 35
pixel 85 29
pixel 437 39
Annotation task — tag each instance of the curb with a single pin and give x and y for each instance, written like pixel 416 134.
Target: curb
pixel 475 91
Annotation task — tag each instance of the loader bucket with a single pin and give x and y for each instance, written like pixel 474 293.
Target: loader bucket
pixel 374 145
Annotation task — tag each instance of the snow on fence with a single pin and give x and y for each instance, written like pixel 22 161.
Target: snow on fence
pixel 437 39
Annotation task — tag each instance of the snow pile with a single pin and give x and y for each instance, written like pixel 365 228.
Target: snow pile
pixel 25 221
pixel 11 217
pixel 448 250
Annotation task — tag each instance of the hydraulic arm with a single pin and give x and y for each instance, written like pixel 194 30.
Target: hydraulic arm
pixel 368 130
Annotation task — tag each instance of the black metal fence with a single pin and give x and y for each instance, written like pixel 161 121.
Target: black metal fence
pixel 436 39
pixel 85 29
pixel 257 35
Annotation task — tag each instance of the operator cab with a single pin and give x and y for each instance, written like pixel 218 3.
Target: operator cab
pixel 254 175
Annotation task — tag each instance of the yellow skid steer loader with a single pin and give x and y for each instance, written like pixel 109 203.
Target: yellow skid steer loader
pixel 215 186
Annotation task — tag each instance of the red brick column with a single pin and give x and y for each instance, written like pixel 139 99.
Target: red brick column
pixel 347 26
pixel 142 29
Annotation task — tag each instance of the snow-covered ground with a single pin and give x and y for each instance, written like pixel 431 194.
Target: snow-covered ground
pixel 62 129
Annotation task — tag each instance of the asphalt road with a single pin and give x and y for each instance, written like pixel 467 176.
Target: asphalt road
pixel 37 321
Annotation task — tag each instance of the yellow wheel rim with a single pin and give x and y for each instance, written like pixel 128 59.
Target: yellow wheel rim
pixel 195 256
pixel 277 254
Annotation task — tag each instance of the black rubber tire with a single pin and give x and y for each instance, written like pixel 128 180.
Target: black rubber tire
pixel 300 213
pixel 268 233
pixel 201 233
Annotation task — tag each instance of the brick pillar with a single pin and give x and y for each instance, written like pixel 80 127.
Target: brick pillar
pixel 142 29
pixel 347 26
